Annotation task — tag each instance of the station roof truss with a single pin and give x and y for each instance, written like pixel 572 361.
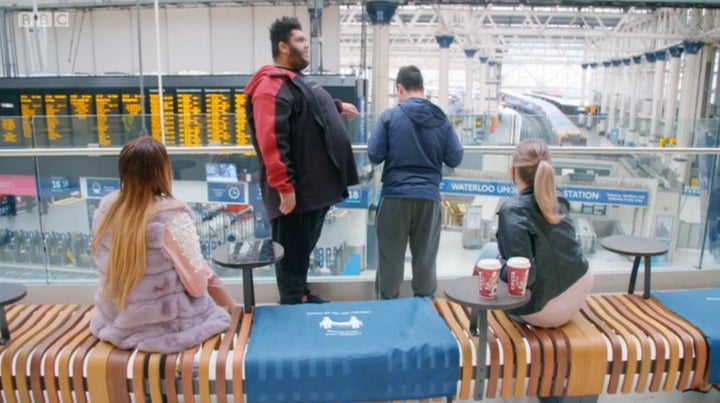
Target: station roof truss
pixel 525 34
pixel 563 32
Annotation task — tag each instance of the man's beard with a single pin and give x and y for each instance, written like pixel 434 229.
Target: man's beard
pixel 297 60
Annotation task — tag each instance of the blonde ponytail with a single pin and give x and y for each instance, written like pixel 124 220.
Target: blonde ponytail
pixel 546 193
pixel 532 162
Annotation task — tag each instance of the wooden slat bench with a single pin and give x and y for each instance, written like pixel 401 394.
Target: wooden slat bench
pixel 617 344
pixel 52 357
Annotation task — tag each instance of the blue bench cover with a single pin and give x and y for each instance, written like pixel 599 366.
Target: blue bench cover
pixel 701 307
pixel 350 352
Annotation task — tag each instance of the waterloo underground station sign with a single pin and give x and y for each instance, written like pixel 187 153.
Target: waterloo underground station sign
pixel 583 194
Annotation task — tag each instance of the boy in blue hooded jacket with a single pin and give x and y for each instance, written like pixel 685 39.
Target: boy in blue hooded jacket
pixel 413 139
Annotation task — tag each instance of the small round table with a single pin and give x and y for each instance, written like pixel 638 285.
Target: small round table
pixel 227 258
pixel 465 291
pixel 640 247
pixel 9 293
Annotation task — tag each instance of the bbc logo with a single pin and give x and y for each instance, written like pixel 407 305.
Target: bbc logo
pixel 44 19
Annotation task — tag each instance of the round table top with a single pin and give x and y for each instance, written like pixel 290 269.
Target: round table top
pixel 465 291
pixel 634 245
pixel 11 292
pixel 222 256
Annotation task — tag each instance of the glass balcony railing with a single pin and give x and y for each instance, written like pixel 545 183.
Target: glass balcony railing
pixel 48 196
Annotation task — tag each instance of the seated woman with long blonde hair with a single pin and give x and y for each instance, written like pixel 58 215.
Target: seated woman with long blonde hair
pixel 156 291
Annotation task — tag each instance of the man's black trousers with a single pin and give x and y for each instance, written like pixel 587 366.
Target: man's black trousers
pixel 298 233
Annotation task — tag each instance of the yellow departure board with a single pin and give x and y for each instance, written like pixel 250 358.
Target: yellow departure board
pixel 109 111
pixel 81 105
pixel 218 109
pixel 242 132
pixel 131 104
pixel 190 116
pixel 31 105
pixel 107 108
pixel 57 112
pixel 10 130
pixel 131 110
pixel 82 112
pixel 168 116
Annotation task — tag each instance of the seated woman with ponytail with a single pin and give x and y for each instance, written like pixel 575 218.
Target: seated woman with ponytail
pixel 535 224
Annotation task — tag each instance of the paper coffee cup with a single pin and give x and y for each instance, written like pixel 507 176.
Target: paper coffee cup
pixel 488 271
pixel 518 269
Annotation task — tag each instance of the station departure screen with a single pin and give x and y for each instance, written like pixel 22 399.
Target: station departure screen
pixel 58 126
pixel 218 108
pixel 107 108
pixel 168 117
pixel 241 127
pixel 31 105
pixel 191 117
pixel 82 112
pixel 78 111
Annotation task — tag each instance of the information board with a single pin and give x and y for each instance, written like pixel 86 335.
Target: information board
pixel 109 111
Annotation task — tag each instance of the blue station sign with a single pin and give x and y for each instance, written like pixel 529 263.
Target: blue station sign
pixel 357 198
pixel 691 190
pixel 226 192
pixel 477 188
pixel 623 197
pixel 582 194
pixel 97 188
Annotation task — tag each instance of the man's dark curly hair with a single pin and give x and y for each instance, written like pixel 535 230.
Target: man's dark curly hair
pixel 280 31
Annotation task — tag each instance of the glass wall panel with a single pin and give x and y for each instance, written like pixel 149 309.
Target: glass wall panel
pixel 612 190
pixel 22 254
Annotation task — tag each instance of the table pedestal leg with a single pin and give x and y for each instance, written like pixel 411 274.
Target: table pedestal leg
pixel 482 329
pixel 4 329
pixel 474 312
pixel 633 274
pixel 646 293
pixel 248 291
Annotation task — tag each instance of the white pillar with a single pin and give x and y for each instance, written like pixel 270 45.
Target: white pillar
pixel 687 112
pixel 583 94
pixel 624 93
pixel 605 90
pixel 380 13
pixel 593 93
pixel 672 91
pixel 614 91
pixel 646 91
pixel 688 95
pixel 469 80
pixel 636 84
pixel 315 9
pixel 658 93
pixel 482 82
pixel 444 41
pixel 380 68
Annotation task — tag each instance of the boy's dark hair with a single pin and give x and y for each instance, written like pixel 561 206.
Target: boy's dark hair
pixel 410 78
pixel 280 31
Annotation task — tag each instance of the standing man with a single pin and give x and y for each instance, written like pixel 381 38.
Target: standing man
pixel 304 151
pixel 413 139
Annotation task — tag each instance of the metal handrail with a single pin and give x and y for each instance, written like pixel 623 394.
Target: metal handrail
pixel 494 149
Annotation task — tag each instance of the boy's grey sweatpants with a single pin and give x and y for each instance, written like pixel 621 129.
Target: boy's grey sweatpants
pixel 397 222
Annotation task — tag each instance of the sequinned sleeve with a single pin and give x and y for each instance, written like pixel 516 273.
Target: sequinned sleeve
pixel 183 245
